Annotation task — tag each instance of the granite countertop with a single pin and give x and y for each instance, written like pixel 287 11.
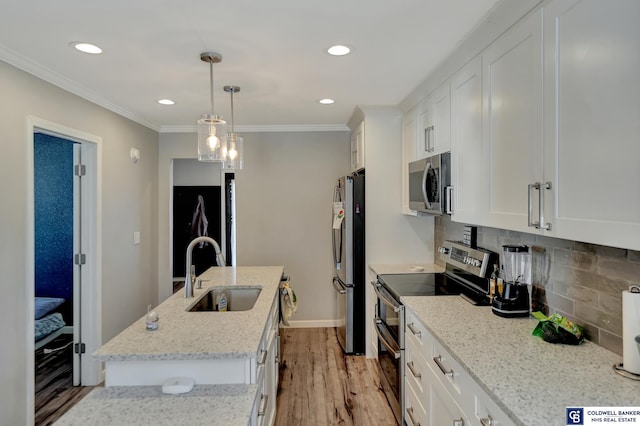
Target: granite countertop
pixel 147 405
pixel 200 335
pixel 407 268
pixel 531 380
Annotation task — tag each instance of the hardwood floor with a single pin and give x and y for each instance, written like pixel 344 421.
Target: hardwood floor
pixel 55 393
pixel 320 386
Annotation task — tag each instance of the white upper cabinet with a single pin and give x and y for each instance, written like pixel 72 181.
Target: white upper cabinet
pixel 512 122
pixel 592 120
pixel 467 177
pixel 357 148
pixel 434 123
pixel 409 127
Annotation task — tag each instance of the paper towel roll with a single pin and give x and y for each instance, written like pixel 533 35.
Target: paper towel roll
pixel 631 329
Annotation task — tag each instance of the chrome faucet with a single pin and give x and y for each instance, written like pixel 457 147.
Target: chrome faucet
pixel 191 273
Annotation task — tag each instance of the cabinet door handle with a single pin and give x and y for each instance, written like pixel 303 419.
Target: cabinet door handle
pixel 438 361
pixel 412 327
pixel 413 420
pixel 488 421
pixel 426 139
pixel 542 224
pixel 413 371
pixel 263 357
pixel 458 422
pixel 431 144
pixel 531 188
pixel 263 405
pixel 449 207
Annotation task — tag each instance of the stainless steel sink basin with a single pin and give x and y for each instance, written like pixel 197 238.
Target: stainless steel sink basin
pixel 238 299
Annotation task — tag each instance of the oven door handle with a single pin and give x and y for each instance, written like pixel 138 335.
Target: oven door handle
pixel 385 338
pixel 384 295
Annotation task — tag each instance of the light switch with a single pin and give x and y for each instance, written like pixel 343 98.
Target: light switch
pixel 136 238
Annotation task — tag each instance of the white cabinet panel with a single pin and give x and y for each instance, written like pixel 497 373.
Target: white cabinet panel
pixel 434 123
pixel 357 148
pixel 592 110
pixel 443 408
pixel 467 176
pixel 512 73
pixel 409 127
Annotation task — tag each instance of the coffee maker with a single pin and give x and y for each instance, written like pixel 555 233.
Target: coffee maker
pixel 514 299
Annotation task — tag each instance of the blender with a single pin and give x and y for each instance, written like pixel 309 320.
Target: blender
pixel 514 299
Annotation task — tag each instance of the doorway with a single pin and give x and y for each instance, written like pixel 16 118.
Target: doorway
pixel 190 180
pixel 75 253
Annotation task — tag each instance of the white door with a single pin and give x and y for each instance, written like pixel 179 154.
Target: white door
pixel 592 111
pixel 512 118
pixel 89 371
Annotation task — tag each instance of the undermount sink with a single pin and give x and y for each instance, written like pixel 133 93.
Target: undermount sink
pixel 238 299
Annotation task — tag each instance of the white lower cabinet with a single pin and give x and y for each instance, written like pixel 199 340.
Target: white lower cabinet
pixel 438 391
pixel 267 362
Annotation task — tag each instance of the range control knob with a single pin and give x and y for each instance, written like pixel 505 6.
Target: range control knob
pixel 443 250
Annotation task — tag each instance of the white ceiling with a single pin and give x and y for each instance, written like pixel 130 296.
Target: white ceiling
pixel 274 50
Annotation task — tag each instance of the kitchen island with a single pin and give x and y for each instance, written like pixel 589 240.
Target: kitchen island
pixel 229 355
pixel 530 380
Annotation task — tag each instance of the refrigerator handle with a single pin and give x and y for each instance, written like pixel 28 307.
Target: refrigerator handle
pixel 339 286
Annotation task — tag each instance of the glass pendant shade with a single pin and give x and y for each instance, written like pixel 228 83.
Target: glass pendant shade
pixel 234 157
pixel 212 138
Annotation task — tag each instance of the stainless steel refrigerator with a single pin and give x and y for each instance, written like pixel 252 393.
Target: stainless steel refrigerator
pixel 349 261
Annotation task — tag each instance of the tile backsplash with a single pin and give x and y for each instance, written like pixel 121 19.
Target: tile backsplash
pixel 583 282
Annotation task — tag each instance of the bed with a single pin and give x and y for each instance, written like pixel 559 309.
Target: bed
pixel 48 323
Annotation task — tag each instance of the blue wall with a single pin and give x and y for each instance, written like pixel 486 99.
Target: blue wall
pixel 53 180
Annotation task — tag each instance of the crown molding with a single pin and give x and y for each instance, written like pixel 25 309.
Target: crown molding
pixel 265 128
pixel 27 65
pixel 31 67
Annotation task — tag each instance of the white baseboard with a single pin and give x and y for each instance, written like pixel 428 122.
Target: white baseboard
pixel 312 324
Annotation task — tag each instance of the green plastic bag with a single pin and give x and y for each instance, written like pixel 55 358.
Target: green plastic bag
pixel 558 329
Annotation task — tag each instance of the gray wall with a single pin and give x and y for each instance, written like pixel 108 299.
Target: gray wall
pixel 583 282
pixel 283 206
pixel 129 204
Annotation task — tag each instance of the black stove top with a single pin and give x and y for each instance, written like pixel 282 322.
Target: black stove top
pixel 428 284
pixel 409 284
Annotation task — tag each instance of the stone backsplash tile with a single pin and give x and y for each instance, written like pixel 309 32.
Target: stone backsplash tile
pixel 619 268
pixel 559 302
pixel 581 281
pixel 583 295
pixel 604 320
pixel 610 341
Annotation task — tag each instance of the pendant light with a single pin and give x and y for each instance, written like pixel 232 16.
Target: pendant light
pixel 212 129
pixel 234 158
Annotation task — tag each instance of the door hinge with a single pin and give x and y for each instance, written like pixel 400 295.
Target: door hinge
pixel 79 348
pixel 80 170
pixel 80 259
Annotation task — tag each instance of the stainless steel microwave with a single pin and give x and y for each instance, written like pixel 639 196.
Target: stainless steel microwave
pixel 430 189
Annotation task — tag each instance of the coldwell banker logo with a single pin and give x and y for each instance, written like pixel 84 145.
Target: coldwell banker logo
pixel 575 416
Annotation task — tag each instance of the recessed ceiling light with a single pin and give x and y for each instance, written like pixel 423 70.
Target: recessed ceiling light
pixel 339 50
pixel 326 101
pixel 86 47
pixel 166 102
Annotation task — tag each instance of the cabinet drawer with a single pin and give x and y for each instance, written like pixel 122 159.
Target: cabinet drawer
pixel 417 334
pixel 414 366
pixel 414 412
pixel 485 409
pixel 454 379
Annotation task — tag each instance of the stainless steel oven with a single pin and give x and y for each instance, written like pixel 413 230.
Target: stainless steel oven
pixel 466 276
